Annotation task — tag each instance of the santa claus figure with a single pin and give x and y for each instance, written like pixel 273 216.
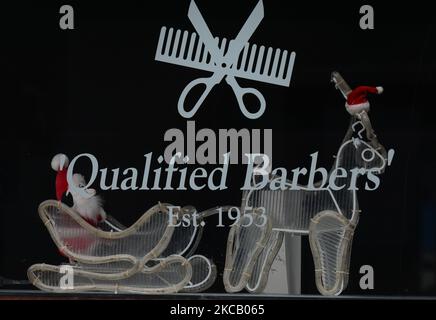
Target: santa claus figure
pixel 89 208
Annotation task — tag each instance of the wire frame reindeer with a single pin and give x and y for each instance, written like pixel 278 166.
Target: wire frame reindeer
pixel 329 217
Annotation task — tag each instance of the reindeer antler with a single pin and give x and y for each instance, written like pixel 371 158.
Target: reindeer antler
pixel 340 84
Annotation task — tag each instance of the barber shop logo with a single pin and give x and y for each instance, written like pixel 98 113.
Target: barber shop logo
pixel 225 59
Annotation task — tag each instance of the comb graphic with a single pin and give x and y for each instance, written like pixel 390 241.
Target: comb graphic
pixel 256 63
pixel 238 59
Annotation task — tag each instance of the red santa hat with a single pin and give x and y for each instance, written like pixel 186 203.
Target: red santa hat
pixel 60 163
pixel 357 99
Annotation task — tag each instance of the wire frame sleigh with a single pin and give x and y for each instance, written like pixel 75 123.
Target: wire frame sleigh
pixel 149 257
pixel 327 216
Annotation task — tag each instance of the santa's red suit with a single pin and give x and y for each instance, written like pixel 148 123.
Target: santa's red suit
pixel 89 209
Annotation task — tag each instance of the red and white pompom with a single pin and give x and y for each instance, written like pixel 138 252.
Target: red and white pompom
pixel 60 162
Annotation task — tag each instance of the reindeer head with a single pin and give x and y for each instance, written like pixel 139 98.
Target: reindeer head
pixel 361 147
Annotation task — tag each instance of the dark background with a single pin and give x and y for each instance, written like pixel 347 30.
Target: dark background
pixel 98 89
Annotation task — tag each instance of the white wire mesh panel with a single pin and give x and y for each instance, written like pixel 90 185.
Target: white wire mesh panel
pixel 291 210
pixel 184 239
pixel 81 239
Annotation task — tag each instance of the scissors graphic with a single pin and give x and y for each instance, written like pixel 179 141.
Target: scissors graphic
pixel 229 60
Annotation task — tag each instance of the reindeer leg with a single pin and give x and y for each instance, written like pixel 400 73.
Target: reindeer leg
pixel 246 241
pixel 330 236
pixel 262 267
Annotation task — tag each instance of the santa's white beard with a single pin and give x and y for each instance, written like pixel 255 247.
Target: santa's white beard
pixel 90 209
